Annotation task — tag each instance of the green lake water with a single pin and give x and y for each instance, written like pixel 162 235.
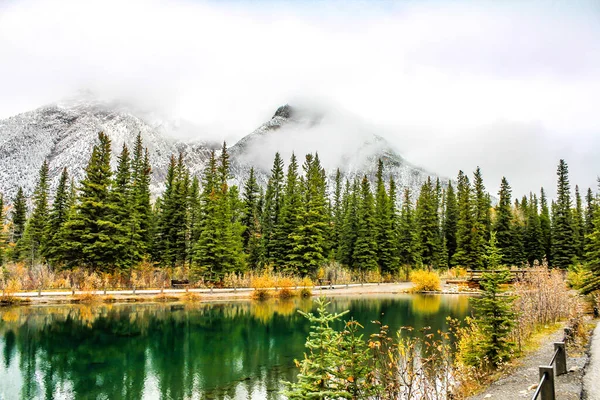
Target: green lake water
pixel 236 350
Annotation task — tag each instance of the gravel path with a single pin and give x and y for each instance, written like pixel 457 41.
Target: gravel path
pixel 521 383
pixel 591 380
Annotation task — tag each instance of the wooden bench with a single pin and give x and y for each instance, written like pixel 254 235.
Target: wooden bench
pixel 180 284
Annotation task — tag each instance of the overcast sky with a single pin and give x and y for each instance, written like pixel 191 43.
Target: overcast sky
pixel 511 88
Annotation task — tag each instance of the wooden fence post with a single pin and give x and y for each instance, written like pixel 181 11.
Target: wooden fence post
pixel 561 358
pixel 547 392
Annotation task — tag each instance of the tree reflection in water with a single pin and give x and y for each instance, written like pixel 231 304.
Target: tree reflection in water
pixel 179 351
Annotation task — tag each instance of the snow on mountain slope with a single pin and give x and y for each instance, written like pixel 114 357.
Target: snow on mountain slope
pixel 340 141
pixel 65 133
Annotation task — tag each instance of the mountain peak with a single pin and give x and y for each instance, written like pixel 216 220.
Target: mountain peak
pixel 285 111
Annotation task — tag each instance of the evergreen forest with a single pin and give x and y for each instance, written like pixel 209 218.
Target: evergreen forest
pixel 302 220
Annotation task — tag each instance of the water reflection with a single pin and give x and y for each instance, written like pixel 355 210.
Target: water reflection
pixel 178 351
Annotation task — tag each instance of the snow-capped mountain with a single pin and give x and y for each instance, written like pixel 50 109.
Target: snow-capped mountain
pixel 65 133
pixel 340 141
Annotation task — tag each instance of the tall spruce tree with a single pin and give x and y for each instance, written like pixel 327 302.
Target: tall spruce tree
pixel 35 237
pixel 337 217
pixel 562 221
pixel 427 224
pixel 18 216
pixel 309 238
pixel 142 217
pixel 464 256
pixel 170 248
pixel 534 249
pixel 578 226
pixel 502 225
pixel 219 249
pixel 449 223
pixel 407 233
pixel 291 209
pixel 365 249
pixel 516 252
pixel 383 229
pixel 123 228
pixel 546 227
pixel 271 217
pixel 57 218
pixel 590 208
pixel 350 223
pixel 87 241
pixel 592 256
pixel 251 221
pixel 482 221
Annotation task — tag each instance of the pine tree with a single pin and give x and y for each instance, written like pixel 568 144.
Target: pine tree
pixel 205 250
pixel 350 223
pixel 59 215
pixel 494 316
pixel 450 222
pixel 562 221
pixel 18 216
pixel 251 221
pixel 464 255
pixel 272 213
pixel 319 367
pixel 533 233
pixel 590 208
pixel 427 224
pixel 123 233
pixel 142 217
pixel 309 238
pixel 337 217
pixel 482 222
pixel 170 248
pixel 592 256
pixel 390 240
pixel 365 249
pixel 502 225
pixel 493 256
pixel 407 233
pixel 578 226
pixel 87 240
pixel 546 227
pixel 220 246
pixel 193 217
pixel 515 255
pixel 291 209
pixel 383 229
pixel 35 237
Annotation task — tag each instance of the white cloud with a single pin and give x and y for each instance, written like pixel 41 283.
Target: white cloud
pixel 509 87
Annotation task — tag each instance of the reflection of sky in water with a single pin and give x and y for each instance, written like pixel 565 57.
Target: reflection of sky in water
pixel 192 351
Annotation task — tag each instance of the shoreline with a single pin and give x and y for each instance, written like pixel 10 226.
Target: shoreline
pixel 205 295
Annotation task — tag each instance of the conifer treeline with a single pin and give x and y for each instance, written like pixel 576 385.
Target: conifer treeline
pixel 108 223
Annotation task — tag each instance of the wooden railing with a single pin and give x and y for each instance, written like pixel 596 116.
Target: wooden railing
pixel 545 389
pixel 475 275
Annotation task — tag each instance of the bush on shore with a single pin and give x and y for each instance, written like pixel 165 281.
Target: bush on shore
pixel 425 281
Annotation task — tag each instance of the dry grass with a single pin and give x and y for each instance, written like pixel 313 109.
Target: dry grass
pixel 163 298
pixel 190 297
pixel 285 291
pixel 543 298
